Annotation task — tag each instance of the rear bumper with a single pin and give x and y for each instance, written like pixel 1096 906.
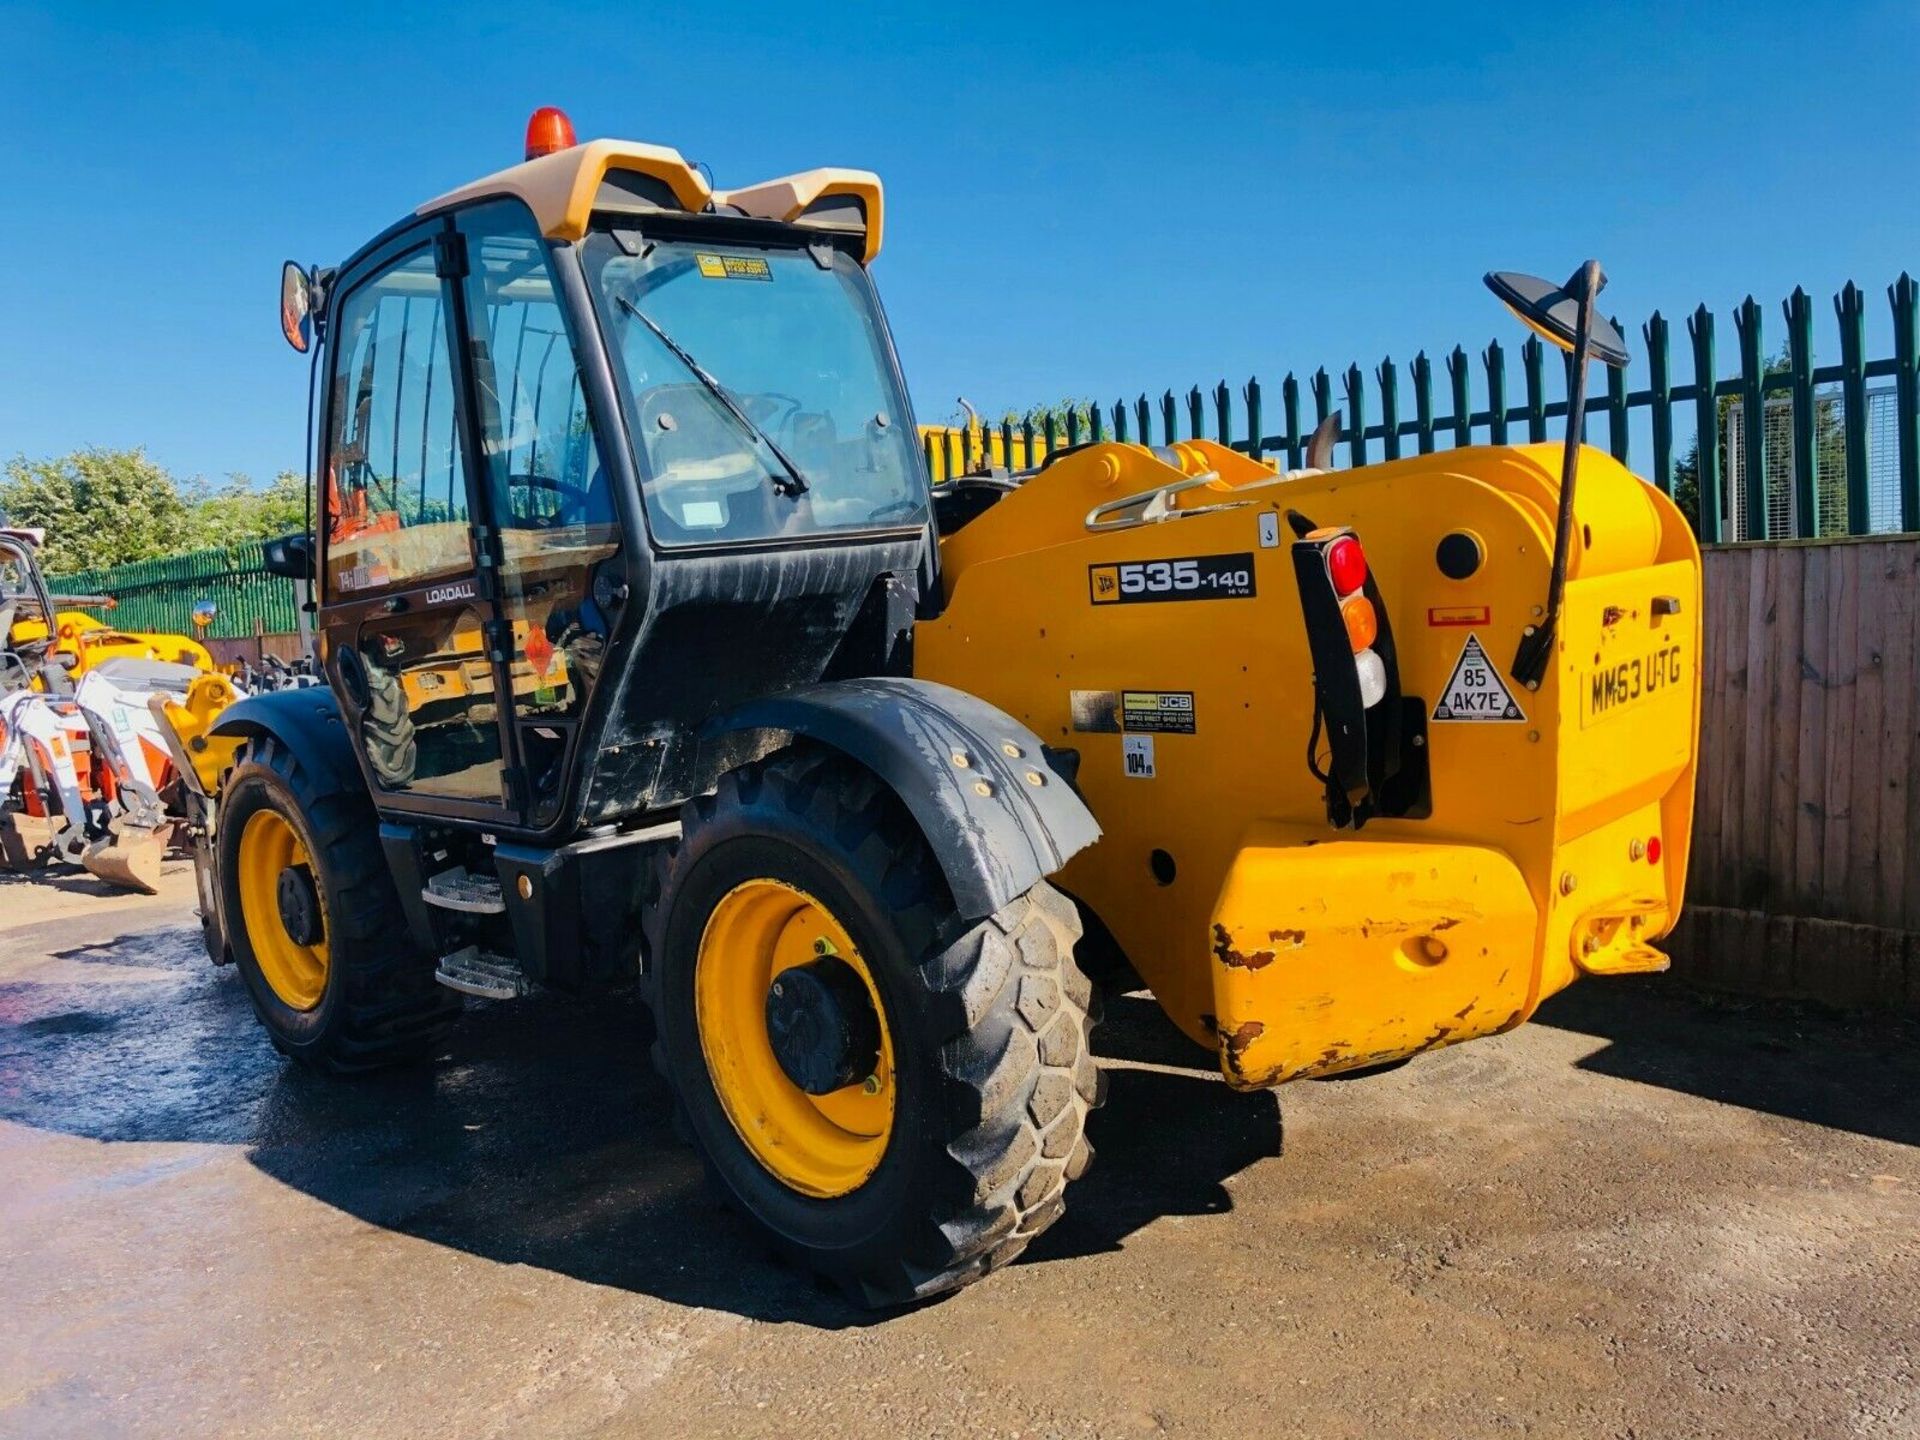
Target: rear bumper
pixel 1331 955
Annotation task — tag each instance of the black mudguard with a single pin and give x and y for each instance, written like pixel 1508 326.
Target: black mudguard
pixel 307 721
pixel 994 829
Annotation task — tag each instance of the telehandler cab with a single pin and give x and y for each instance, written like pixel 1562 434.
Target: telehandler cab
pixel 623 531
pixel 645 658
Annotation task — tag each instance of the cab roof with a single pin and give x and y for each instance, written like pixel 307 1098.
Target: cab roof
pixel 565 188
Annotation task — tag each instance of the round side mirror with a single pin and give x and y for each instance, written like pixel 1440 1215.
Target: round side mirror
pixel 296 306
pixel 1552 312
pixel 203 613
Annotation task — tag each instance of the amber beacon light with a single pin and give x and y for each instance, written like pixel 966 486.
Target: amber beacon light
pixel 548 131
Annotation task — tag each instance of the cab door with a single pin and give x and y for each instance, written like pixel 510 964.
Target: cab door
pixel 550 523
pixel 406 620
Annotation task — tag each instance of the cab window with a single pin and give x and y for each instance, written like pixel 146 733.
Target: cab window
pixel 395 491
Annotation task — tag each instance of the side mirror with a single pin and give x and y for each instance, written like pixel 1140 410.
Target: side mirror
pixel 203 613
pixel 290 555
pixel 1553 313
pixel 296 306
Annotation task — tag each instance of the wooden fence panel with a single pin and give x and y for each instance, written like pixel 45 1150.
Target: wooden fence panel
pixel 1810 732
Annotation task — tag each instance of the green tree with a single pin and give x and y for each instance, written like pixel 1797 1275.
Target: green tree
pixel 109 507
pixel 98 507
pixel 237 511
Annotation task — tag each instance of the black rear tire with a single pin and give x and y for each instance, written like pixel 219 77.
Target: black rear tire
pixel 381 1005
pixel 990 1022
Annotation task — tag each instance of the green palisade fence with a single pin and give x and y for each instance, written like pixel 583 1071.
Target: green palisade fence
pixel 159 595
pixel 1792 449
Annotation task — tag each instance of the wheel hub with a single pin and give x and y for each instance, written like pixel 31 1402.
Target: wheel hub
pixel 822 1026
pixel 299 905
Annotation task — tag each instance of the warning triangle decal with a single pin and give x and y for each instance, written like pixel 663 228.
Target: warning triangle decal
pixel 1475 691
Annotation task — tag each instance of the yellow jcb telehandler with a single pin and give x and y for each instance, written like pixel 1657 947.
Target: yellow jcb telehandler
pixel 756 737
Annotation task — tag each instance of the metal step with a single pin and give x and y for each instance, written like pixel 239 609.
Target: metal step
pixel 473 971
pixel 460 889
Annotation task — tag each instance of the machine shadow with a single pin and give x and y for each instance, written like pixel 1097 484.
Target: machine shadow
pixel 544 1139
pixel 540 1135
pixel 1795 1060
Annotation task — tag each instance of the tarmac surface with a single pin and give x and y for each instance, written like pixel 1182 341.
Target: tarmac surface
pixel 1648 1213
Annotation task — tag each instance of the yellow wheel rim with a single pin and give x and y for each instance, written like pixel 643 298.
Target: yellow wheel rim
pixel 820 1145
pixel 296 973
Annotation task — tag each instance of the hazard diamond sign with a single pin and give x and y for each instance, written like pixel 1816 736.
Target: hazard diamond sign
pixel 1475 691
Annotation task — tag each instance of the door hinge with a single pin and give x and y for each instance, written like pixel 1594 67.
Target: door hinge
pixel 450 255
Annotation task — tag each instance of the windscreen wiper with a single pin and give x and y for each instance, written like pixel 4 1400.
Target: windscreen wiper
pixel 794 483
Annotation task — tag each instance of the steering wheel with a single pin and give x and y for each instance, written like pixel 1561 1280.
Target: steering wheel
pixel 572 497
pixel 778 407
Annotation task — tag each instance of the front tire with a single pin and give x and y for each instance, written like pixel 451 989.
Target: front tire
pixel 324 950
pixel 985 1064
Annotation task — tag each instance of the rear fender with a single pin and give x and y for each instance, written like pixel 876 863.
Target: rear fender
pixel 977 781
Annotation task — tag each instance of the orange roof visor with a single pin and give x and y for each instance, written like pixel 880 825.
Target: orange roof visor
pixel 562 183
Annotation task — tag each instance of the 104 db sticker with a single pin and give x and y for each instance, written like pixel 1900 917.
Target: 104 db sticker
pixel 1197 577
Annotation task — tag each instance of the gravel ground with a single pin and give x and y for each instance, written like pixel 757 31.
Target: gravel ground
pixel 1646 1214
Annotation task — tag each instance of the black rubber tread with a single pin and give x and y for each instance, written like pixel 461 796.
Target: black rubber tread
pixel 387 730
pixel 382 1006
pixel 1006 1017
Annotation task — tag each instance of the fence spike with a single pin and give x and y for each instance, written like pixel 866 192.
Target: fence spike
pixel 1251 394
pixel 1706 426
pixel 1753 418
pixel 1807 519
pixel 1356 415
pixel 1496 362
pixel 1617 406
pixel 1422 371
pixel 1462 388
pixel 1389 379
pixel 1850 305
pixel 1905 298
pixel 1533 364
pixel 1661 400
pixel 1290 406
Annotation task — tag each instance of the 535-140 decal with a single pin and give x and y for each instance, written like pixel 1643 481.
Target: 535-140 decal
pixel 1196 577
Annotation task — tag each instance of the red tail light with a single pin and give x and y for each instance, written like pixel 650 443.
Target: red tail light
pixel 1346 565
pixel 549 130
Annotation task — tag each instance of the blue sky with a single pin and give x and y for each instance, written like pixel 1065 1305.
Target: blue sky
pixel 1082 199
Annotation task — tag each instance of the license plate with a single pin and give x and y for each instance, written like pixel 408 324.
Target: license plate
pixel 1607 690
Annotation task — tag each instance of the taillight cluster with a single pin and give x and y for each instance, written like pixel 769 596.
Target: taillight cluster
pixel 1346 566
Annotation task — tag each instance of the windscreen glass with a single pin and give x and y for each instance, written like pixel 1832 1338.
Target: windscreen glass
pixel 809 432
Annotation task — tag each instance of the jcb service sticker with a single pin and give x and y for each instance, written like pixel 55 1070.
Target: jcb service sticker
pixel 733 267
pixel 1197 577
